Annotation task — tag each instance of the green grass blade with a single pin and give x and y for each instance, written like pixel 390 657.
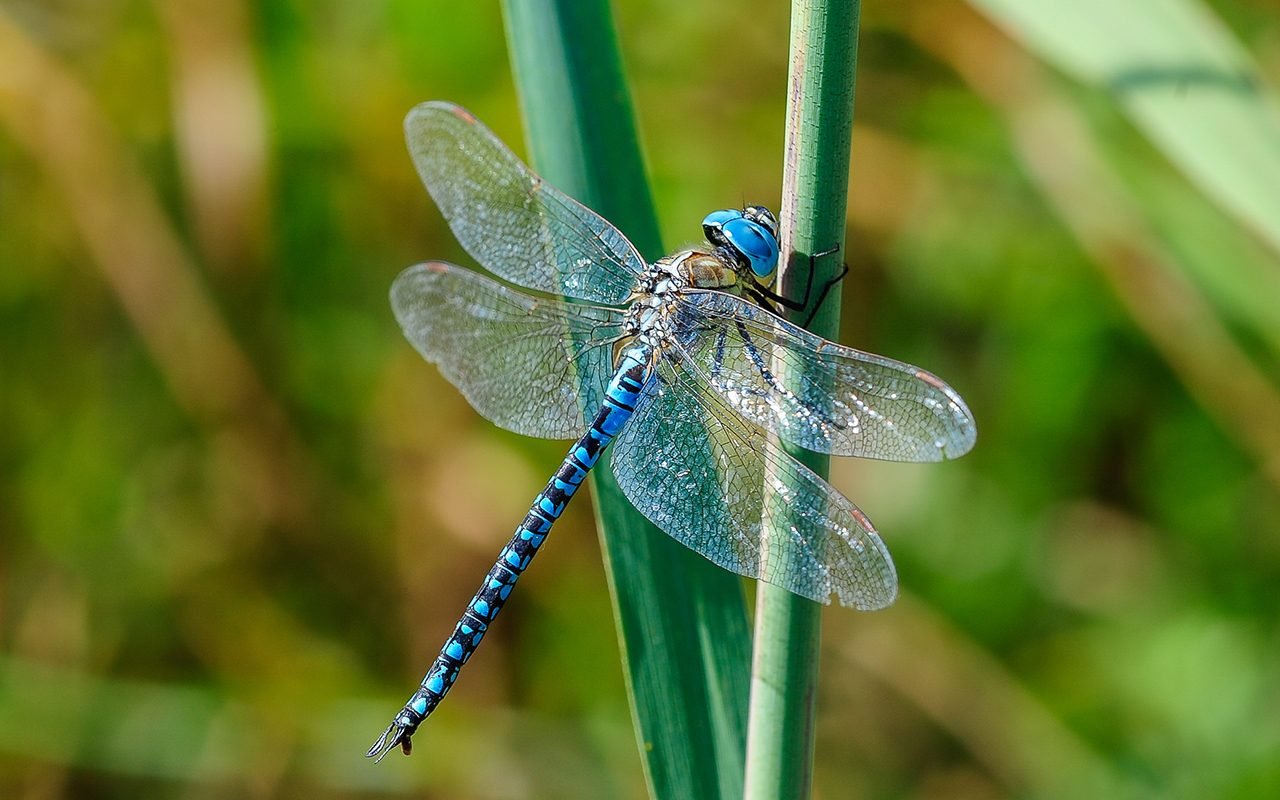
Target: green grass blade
pixel 682 621
pixel 1182 79
pixel 824 43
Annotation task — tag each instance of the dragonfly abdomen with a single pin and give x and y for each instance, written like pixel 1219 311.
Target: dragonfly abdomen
pixel 633 372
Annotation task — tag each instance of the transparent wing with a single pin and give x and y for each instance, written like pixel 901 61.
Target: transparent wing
pixel 508 219
pixel 817 394
pixel 720 486
pixel 536 366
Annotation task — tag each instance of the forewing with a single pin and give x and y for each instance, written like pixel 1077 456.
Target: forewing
pixel 516 225
pixel 536 366
pixel 720 486
pixel 821 395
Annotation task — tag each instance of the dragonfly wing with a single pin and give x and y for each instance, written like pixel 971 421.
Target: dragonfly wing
pixel 519 227
pixel 818 394
pixel 536 366
pixel 718 485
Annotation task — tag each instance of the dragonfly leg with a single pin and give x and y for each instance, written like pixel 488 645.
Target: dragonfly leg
pixel 766 299
pixel 826 288
pixel 758 361
pixel 764 296
pixel 717 363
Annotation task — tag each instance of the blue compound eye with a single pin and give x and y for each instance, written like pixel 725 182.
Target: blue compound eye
pixel 713 225
pixel 753 242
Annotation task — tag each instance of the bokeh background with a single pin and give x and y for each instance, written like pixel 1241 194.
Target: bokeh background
pixel 238 514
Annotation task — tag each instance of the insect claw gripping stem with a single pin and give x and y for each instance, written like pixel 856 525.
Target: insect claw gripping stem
pixel 822 298
pixel 770 300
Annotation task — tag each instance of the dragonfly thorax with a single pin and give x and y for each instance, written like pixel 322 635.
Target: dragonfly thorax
pixel 656 299
pixel 687 269
pixel 695 268
pixel 706 270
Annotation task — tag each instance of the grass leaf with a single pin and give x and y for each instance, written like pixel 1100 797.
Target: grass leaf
pixel 681 620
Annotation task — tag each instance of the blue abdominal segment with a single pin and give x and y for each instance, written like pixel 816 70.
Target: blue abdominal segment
pixel 620 400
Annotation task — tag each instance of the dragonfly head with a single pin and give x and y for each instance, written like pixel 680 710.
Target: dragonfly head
pixel 749 238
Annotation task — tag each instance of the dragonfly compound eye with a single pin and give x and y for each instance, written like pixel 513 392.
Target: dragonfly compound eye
pixel 754 243
pixel 713 225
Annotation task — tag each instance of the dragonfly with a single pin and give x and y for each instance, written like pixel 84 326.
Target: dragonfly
pixel 680 364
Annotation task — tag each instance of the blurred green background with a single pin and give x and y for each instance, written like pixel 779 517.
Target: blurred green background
pixel 238 514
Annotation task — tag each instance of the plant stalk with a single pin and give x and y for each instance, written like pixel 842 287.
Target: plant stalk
pixel 824 43
pixel 682 621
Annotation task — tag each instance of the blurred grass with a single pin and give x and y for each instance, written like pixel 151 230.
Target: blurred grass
pixel 1184 81
pixel 247 516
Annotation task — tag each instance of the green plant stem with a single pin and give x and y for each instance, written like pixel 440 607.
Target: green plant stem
pixel 682 621
pixel 824 36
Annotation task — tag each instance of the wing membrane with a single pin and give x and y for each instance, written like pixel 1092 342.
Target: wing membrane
pixel 536 366
pixel 719 486
pixel 820 395
pixel 511 221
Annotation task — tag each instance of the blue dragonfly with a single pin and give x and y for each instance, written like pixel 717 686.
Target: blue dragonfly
pixel 680 361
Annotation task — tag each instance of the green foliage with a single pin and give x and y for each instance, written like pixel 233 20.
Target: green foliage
pixel 681 621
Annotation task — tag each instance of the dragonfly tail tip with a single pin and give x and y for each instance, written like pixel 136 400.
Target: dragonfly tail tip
pixel 392 736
